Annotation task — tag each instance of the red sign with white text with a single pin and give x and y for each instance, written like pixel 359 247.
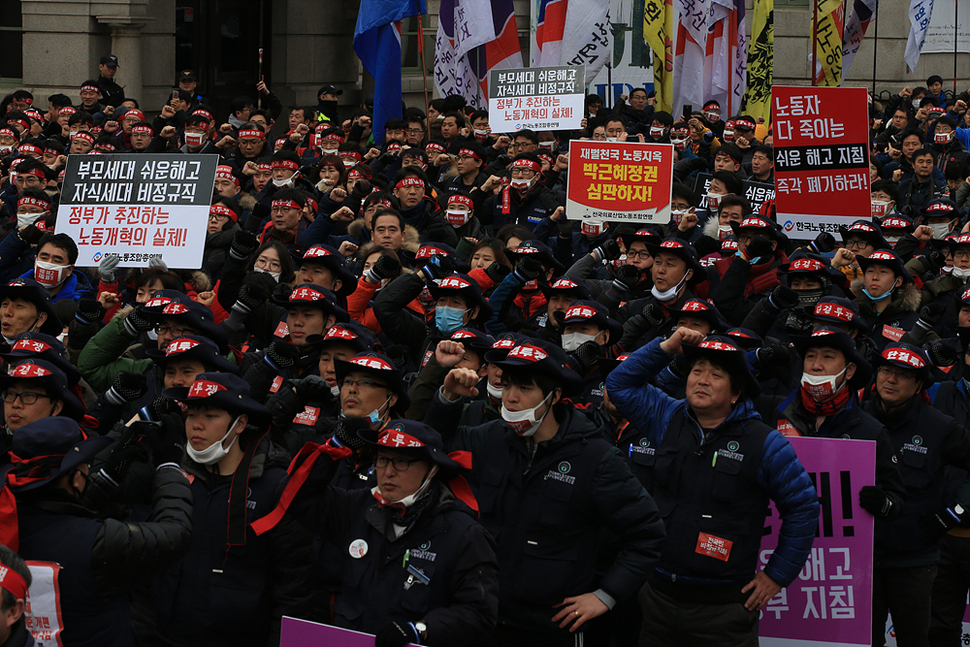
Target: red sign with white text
pixel 821 144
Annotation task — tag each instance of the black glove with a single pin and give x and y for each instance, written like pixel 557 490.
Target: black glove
pixel 243 245
pixel 653 314
pixel 397 634
pixel 823 243
pixel 931 314
pixel 399 354
pixel 679 366
pixel 783 297
pixel 875 501
pixel 137 322
pixel 587 355
pixel 123 454
pixel 773 354
pixel 313 388
pixel 89 311
pixel 937 260
pixel 127 387
pixel 627 277
pixel 159 408
pixel 31 234
pixel 347 430
pixel 251 295
pixel 758 247
pixel 438 267
pixel 285 403
pixel 497 271
pixel 528 269
pixel 281 355
pixel 386 267
pixel 565 227
pixel 167 438
pixel 609 251
pixel 934 526
pixel 942 354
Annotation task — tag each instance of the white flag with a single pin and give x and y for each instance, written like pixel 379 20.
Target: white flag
pixel 919 18
pixel 689 54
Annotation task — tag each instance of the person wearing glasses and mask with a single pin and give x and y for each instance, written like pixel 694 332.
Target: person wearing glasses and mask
pixel 526 200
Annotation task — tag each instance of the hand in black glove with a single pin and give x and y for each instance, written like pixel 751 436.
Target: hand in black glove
pixel 313 388
pixel 347 432
pixel 285 403
pixel 937 260
pixel 282 355
pixel 31 234
pixel 587 355
pixel 565 227
pixel 653 314
pixel 159 408
pixel 934 526
pixel 773 354
pixel 127 387
pixel 609 251
pixel 823 243
pixel 138 321
pixel 438 267
pixel 942 354
pixel 758 247
pixel 89 311
pixel 397 634
pixel 875 501
pixel 244 243
pixel 129 450
pixel 386 267
pixel 679 366
pixel 399 354
pixel 783 297
pixel 251 296
pixel 528 269
pixel 932 313
pixel 627 277
pixel 497 271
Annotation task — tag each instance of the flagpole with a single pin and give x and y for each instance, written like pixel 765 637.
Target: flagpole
pixel 814 42
pixel 424 67
pixel 875 48
pixel 956 39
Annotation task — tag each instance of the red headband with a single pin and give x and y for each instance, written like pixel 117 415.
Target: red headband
pixel 264 166
pixel 30 148
pixel 12 581
pixel 34 171
pixel 903 356
pixel 68 110
pixel 461 199
pixel 205 388
pixel 90 88
pixel 203 113
pixel 10 132
pixel 287 204
pixel 82 135
pixel 470 153
pixel 137 113
pixel 410 181
pixel 394 439
pixel 524 163
pixel 180 346
pixel 225 173
pixel 333 137
pixel 252 134
pixel 29 201
pixel 434 146
pixel 223 210
pixel 288 164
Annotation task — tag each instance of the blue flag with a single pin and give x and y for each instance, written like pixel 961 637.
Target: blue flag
pixel 377 41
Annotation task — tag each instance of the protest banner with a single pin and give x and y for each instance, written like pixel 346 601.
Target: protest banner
pixel 821 143
pixel 757 193
pixel 138 206
pixel 42 608
pixel 619 182
pixel 538 98
pixel 303 633
pixel 830 603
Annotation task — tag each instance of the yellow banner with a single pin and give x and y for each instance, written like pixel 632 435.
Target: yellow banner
pixel 828 43
pixel 658 28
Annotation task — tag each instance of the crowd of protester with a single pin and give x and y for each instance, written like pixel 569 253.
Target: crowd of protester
pixel 407 393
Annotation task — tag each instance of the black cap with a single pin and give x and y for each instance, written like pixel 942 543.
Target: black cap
pixel 187 75
pixel 329 88
pixel 110 60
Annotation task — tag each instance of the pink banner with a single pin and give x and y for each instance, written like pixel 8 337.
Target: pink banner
pixel 303 633
pixel 830 603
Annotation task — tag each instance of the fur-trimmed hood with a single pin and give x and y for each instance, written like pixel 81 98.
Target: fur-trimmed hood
pixel 905 299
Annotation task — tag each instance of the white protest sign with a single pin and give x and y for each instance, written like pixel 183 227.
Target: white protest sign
pixel 138 206
pixel 537 98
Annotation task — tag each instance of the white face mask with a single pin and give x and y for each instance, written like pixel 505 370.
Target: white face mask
pixel 880 207
pixel 667 295
pixel 713 200
pixel 547 145
pixel 24 218
pixel 657 132
pixel 916 103
pixel 678 214
pixel 409 500
pixel 821 387
pixel 961 273
pixel 520 184
pixel 194 140
pixel 723 231
pixel 679 144
pixel 940 229
pixel 285 184
pixel 712 116
pixel 214 452
pixel 335 390
pixel 524 422
pixel 494 392
pixel 892 240
pixel 275 275
pixel 50 275
pixel 457 218
pixel 728 135
pixel 942 138
pixel 481 135
pixel 573 340
pixel 6 150
pixel 611 139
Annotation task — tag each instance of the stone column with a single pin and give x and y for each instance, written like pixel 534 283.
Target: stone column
pixel 126 45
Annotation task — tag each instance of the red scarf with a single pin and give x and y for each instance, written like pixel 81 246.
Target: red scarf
pixel 829 407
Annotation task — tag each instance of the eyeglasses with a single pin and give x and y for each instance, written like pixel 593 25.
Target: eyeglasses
pixel 522 172
pixel 218 217
pixel 961 253
pixel 27 397
pixel 519 144
pixel 415 131
pixel 370 384
pixel 400 464
pixel 642 253
pixel 173 330
pixel 855 242
pixel 263 264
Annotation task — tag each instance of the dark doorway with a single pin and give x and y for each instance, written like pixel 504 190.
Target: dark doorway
pixel 219 40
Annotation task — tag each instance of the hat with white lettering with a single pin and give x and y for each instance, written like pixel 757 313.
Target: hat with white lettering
pixel 727 353
pixel 416 439
pixel 380 367
pixel 909 357
pixel 541 357
pixel 351 333
pixel 588 311
pixel 194 347
pixel 49 376
pixel 221 391
pixel 841 341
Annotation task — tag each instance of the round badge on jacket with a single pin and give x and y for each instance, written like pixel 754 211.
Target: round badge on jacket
pixel 358 548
